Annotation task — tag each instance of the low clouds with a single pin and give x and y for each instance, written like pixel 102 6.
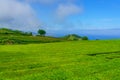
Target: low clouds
pixel 42 1
pixel 20 14
pixel 65 10
pixel 15 14
pixel 49 1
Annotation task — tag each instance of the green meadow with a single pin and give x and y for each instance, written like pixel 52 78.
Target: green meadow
pixel 72 60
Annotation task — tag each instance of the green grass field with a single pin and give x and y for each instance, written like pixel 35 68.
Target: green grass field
pixel 75 60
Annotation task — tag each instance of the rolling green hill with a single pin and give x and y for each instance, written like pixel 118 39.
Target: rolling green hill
pixel 8 36
pixel 28 39
pixel 10 32
pixel 72 37
pixel 75 60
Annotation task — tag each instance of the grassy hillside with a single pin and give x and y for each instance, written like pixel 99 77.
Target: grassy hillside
pixel 27 39
pixel 73 37
pixel 79 60
pixel 10 32
pixel 9 36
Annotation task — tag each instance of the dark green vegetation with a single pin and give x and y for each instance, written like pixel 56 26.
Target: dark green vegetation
pixel 73 37
pixel 27 39
pixel 10 32
pixel 76 60
pixel 8 36
pixel 41 32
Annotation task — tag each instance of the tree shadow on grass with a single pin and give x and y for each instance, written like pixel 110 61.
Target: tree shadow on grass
pixel 101 53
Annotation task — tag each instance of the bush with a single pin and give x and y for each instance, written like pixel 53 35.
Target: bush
pixel 85 38
pixel 7 41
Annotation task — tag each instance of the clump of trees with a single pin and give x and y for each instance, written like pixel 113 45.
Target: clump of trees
pixel 85 38
pixel 41 32
pixel 73 37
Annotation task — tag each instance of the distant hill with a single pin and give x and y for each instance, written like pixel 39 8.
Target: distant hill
pixel 9 36
pixel 73 37
pixel 6 32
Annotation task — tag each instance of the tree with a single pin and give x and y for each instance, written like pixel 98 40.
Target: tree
pixel 85 38
pixel 41 32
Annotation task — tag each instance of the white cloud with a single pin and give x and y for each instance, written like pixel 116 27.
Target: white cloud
pixel 65 10
pixel 49 1
pixel 17 15
pixel 42 1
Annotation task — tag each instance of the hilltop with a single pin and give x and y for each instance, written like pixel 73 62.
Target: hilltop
pixel 9 36
pixel 10 32
pixel 75 37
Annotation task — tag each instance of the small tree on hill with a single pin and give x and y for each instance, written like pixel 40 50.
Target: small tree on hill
pixel 41 32
pixel 85 38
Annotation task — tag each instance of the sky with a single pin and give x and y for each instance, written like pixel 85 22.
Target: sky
pixel 60 17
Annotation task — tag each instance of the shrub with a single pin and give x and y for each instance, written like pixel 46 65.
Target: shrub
pixel 85 38
pixel 7 41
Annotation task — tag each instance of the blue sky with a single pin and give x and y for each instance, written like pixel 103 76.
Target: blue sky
pixel 93 14
pixel 60 17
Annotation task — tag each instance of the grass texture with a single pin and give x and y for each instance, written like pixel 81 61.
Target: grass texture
pixel 74 60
